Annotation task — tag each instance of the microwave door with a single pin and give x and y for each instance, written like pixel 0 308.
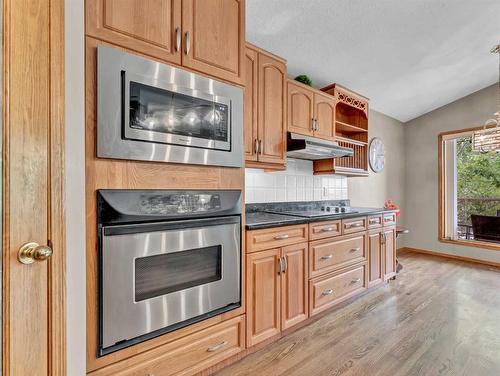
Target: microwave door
pixel 170 114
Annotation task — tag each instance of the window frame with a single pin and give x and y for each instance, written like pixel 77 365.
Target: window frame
pixel 442 195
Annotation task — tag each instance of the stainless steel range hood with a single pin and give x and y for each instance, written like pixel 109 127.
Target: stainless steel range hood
pixel 311 148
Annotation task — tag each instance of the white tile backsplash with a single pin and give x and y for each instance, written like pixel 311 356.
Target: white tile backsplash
pixel 297 183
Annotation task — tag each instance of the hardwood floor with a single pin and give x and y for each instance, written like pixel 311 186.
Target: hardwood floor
pixel 439 317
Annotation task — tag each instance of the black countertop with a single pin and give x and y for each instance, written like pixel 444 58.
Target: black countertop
pixel 261 219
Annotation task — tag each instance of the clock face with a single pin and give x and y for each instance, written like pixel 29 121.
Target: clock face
pixel 377 154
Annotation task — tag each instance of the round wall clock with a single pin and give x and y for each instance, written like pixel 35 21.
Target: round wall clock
pixel 377 154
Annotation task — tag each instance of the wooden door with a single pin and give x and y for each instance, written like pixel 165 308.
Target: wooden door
pixel 300 109
pixel 294 290
pixel 250 105
pixel 214 37
pixel 151 27
pixel 390 252
pixel 324 113
pixel 263 295
pixel 33 299
pixel 375 258
pixel 271 114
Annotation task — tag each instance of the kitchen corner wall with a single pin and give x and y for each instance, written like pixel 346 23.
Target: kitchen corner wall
pixel 297 183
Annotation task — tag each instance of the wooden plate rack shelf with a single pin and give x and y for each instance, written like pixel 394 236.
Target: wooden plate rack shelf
pixel 351 130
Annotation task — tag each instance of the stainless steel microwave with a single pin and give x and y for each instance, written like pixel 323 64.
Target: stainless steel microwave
pixel 152 111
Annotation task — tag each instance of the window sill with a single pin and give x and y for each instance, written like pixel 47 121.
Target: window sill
pixel 473 243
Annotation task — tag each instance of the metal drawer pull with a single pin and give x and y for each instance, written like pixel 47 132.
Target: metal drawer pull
pixel 328 229
pixel 177 39
pixel 188 42
pixel 352 250
pixel 280 265
pixel 373 221
pixel 217 347
pixel 355 280
pixel 327 292
pixel 281 237
pixel 388 219
pixel 355 225
pixel 326 257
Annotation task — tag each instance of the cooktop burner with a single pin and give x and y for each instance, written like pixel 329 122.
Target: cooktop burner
pixel 324 212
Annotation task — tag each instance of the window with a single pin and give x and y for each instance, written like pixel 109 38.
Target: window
pixel 469 198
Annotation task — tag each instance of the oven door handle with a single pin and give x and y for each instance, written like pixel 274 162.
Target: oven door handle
pixel 170 225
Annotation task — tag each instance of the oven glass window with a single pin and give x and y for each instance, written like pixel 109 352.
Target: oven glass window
pixel 159 110
pixel 166 273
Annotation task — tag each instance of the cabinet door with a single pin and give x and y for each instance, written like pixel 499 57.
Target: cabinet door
pixel 300 109
pixel 214 37
pixel 375 258
pixel 390 252
pixel 250 105
pixel 271 114
pixel 263 295
pixel 324 113
pixel 294 290
pixel 146 26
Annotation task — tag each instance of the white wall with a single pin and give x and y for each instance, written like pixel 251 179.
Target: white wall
pixel 421 144
pixel 296 183
pixel 75 188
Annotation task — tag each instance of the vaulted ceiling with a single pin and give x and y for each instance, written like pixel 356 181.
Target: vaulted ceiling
pixel 409 57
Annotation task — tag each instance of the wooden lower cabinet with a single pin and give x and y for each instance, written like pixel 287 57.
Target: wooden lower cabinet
pixel 331 289
pixel 375 258
pixel 294 291
pixel 263 295
pixel 389 241
pixel 186 356
pixel 277 294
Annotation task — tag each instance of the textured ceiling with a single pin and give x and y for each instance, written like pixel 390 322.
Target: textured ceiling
pixel 408 56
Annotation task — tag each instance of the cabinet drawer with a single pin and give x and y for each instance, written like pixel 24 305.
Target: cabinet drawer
pixel 276 237
pixel 321 230
pixel 375 221
pixel 186 356
pixel 329 290
pixel 330 254
pixel 353 225
pixel 389 219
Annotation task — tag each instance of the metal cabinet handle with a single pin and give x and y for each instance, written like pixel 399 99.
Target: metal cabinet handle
pixel 328 229
pixel 217 347
pixel 326 257
pixel 260 147
pixel 351 225
pixel 382 238
pixel 281 236
pixel 352 250
pixel 177 39
pixel 285 264
pixel 312 124
pixel 256 146
pixel 317 124
pixel 188 42
pixel 280 265
pixel 355 280
pixel 327 292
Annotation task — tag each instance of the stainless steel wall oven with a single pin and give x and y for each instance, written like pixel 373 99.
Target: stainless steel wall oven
pixel 157 112
pixel 167 259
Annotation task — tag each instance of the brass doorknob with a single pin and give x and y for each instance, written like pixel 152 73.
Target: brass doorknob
pixel 31 252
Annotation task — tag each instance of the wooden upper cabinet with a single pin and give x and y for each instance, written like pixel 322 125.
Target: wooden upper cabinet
pixel 271 110
pixel 214 37
pixel 300 109
pixel 146 26
pixel 294 289
pixel 250 104
pixel 263 295
pixel 324 113
pixel 310 112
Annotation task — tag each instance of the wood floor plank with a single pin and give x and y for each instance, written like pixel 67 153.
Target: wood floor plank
pixel 439 317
